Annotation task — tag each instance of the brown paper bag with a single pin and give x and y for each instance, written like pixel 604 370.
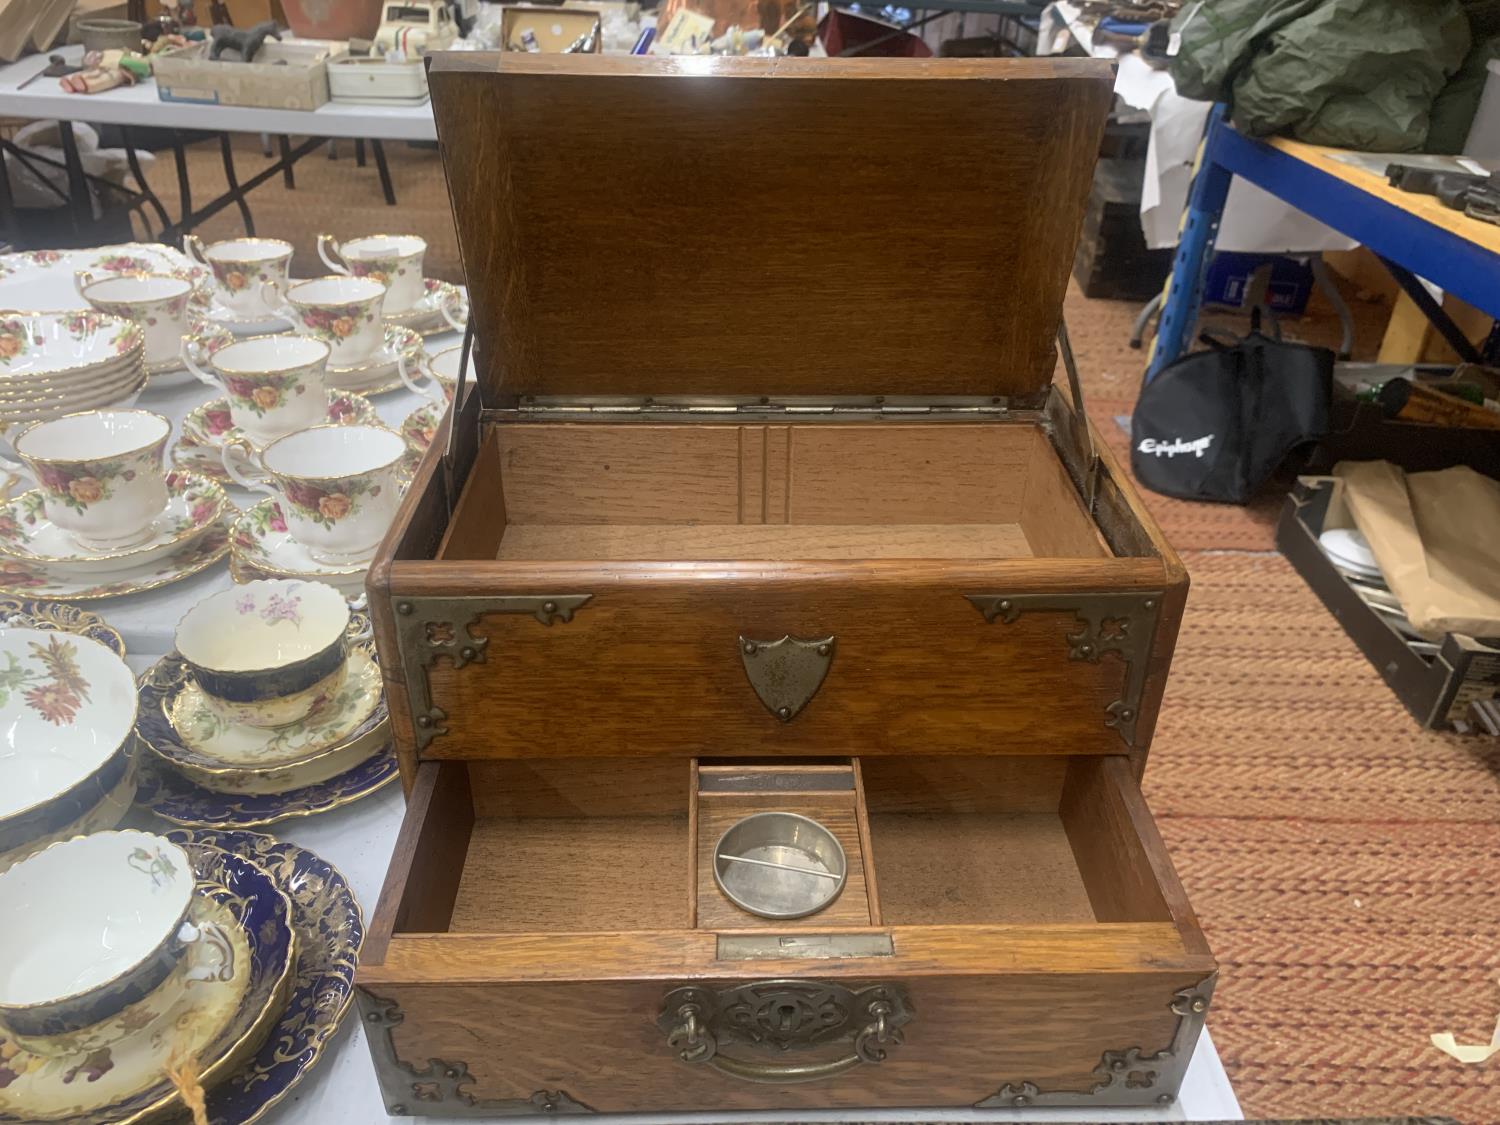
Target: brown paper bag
pixel 1436 537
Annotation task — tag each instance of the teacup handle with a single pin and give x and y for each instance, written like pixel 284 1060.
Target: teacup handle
pixel 221 950
pixel 434 391
pixel 271 293
pixel 360 628
pixel 240 449
pixel 333 257
pixel 82 279
pixel 192 246
pixel 453 321
pixel 188 343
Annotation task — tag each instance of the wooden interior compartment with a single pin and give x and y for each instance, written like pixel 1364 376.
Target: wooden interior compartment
pixel 828 793
pixel 551 845
pixel 709 491
pixel 1037 840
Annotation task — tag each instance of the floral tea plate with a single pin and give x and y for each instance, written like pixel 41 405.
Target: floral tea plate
pixel 49 346
pixel 175 798
pixel 330 931
pixel 49 580
pixel 194 504
pixel 43 279
pixel 242 324
pixel 443 308
pixel 420 427
pixel 207 428
pixel 113 1073
pixel 379 373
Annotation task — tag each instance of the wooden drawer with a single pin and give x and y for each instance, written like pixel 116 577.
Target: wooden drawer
pixel 550 937
pixel 689 589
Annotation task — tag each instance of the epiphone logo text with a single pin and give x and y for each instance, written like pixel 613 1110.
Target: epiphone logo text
pixel 1172 448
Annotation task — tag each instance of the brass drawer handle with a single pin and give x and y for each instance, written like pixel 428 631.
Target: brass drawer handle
pixel 774 1017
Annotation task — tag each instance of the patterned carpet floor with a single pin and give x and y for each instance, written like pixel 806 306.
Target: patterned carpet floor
pixel 1345 864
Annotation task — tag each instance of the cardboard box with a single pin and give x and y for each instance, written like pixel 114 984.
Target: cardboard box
pixel 556 29
pixel 188 75
pixel 374 81
pixel 1439 689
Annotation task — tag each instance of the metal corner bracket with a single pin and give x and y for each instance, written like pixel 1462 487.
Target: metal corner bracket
pixel 431 627
pixel 437 1089
pixel 1130 1077
pixel 1124 624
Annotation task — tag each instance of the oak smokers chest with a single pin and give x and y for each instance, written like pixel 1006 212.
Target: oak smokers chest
pixel 765 500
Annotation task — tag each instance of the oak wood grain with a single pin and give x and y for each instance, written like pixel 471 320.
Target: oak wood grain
pixel 1052 512
pixel 666 542
pixel 551 787
pixel 971 1035
pixel 570 298
pixel 543 874
pixel 1122 883
pixel 994 784
pixel 428 860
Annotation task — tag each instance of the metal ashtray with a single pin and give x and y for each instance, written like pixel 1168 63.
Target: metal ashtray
pixel 779 865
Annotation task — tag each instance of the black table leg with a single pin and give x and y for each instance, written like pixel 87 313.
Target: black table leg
pixel 235 192
pixel 385 173
pixel 238 192
pixel 287 177
pixel 8 223
pixel 147 194
pixel 184 189
pixel 359 153
pixel 80 201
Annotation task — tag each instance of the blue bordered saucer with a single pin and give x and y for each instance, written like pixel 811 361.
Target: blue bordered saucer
pixel 174 798
pixel 330 931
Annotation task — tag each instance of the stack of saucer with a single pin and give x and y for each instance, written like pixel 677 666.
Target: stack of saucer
pixel 269 708
pixel 55 363
pixel 123 957
pixel 66 755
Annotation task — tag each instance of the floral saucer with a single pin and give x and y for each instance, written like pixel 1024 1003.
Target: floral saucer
pixel 420 427
pixel 25 579
pixel 427 315
pixel 330 931
pixel 174 798
pixel 206 428
pixel 176 723
pixel 259 542
pixel 194 504
pixel 218 1007
pixel 239 323
pixel 378 373
pixel 43 279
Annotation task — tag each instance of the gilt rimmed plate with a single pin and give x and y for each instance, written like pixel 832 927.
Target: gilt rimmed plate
pixel 171 796
pixel 241 324
pixel 43 279
pixel 206 428
pixel 221 1015
pixel 48 345
pixel 23 579
pixel 426 316
pixel 194 504
pixel 330 932
pixel 30 613
pixel 379 373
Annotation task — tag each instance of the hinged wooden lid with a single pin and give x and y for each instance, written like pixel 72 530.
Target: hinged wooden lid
pixel 779 227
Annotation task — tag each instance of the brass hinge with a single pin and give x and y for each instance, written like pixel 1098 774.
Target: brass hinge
pixel 760 408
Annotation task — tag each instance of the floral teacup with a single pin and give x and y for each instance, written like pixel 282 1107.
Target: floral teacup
pixel 441 369
pixel 242 266
pixel 157 302
pixel 392 259
pixel 274 383
pixel 343 312
pixel 268 652
pixel 100 473
pixel 337 486
pixel 93 924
